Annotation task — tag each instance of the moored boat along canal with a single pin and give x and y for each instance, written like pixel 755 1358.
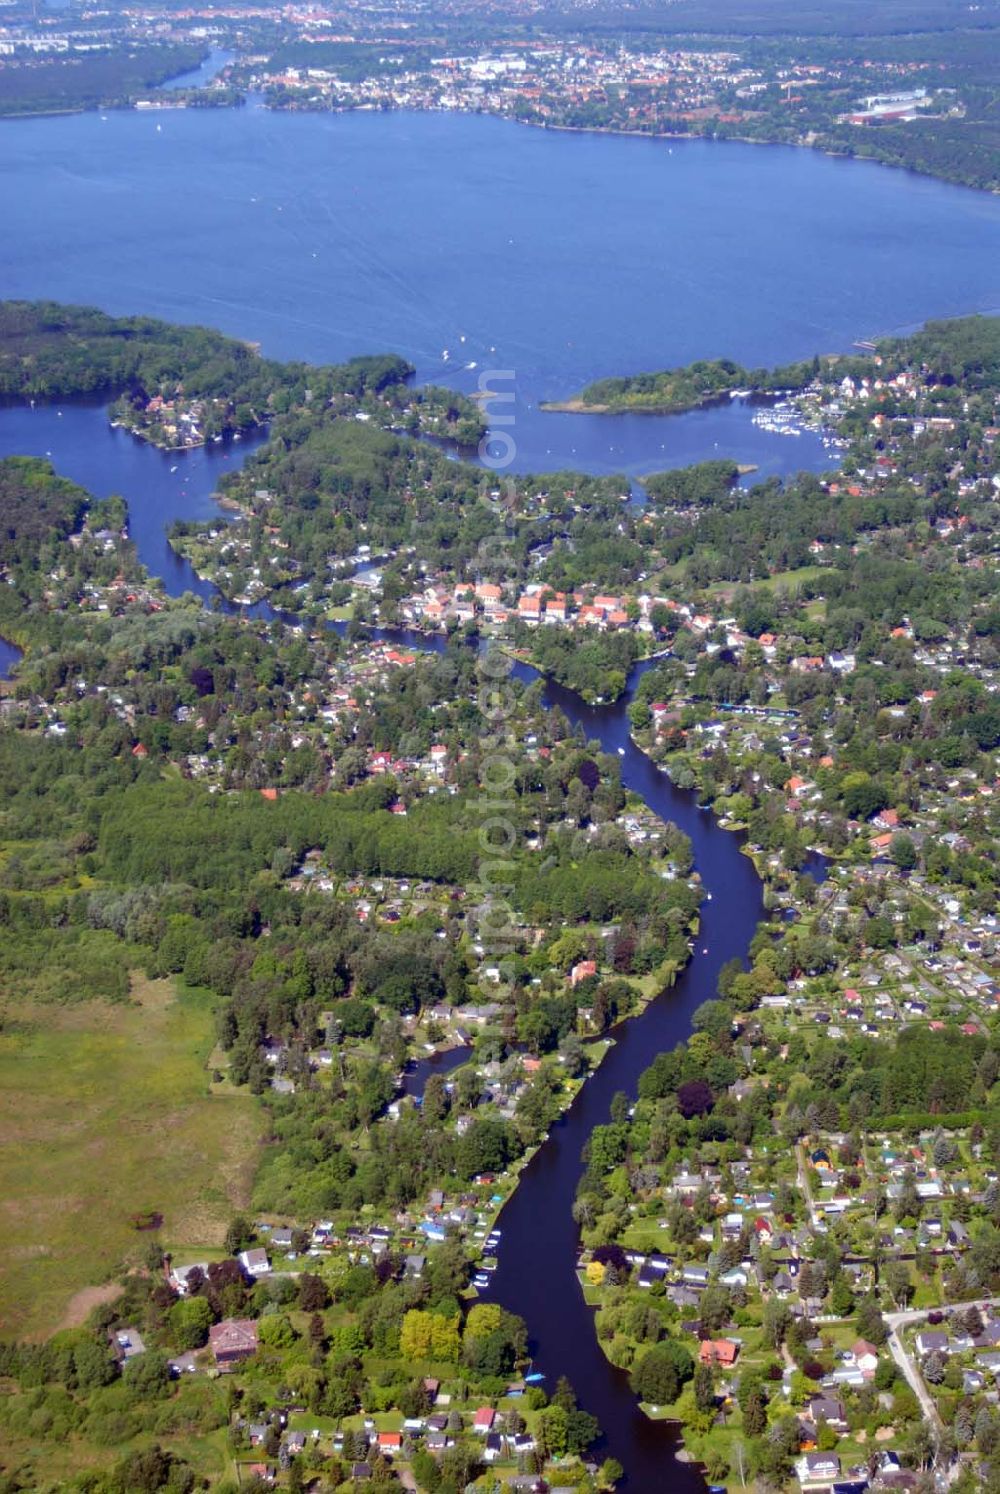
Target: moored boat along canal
pixel 535 1276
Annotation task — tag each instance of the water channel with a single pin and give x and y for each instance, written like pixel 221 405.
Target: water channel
pixel 535 1276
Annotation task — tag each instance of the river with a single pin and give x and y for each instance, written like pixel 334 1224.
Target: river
pixel 206 70
pixel 536 1272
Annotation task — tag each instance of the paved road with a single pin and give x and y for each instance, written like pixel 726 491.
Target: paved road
pixel 914 1379
pixel 897 1320
pixel 803 1179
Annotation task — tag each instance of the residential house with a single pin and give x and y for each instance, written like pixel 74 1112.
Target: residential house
pixel 723 1351
pixel 932 1341
pixel 232 1341
pixel 817 1470
pixel 827 1408
pixel 255 1262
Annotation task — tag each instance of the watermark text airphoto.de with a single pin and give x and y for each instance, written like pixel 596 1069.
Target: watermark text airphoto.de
pixel 497 820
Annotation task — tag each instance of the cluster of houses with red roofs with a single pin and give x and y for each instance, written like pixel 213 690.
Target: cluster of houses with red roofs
pixel 536 604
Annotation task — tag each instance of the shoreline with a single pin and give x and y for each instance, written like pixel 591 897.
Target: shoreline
pixel 606 130
pixel 822 150
pixel 578 406
pixel 567 129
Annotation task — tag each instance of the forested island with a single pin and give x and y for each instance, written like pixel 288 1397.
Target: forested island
pixel 184 386
pixel 689 388
pixel 948 355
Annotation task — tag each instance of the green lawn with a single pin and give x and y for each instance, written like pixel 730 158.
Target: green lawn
pixel 107 1111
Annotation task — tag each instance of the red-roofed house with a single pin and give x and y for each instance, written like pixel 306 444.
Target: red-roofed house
pixel 484 1419
pixel 718 1351
pixel 582 971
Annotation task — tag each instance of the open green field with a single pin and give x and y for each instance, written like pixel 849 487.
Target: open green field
pixel 722 591
pixel 780 581
pixel 107 1111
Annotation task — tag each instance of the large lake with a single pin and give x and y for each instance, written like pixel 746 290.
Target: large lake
pixel 560 256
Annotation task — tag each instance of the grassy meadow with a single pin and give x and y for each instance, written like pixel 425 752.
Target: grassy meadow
pixel 107 1112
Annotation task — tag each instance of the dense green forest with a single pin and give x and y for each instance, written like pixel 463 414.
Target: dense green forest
pixel 56 85
pixel 696 384
pixel 36 507
pixel 48 350
pixel 158 371
pixel 752 18
pixel 699 486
